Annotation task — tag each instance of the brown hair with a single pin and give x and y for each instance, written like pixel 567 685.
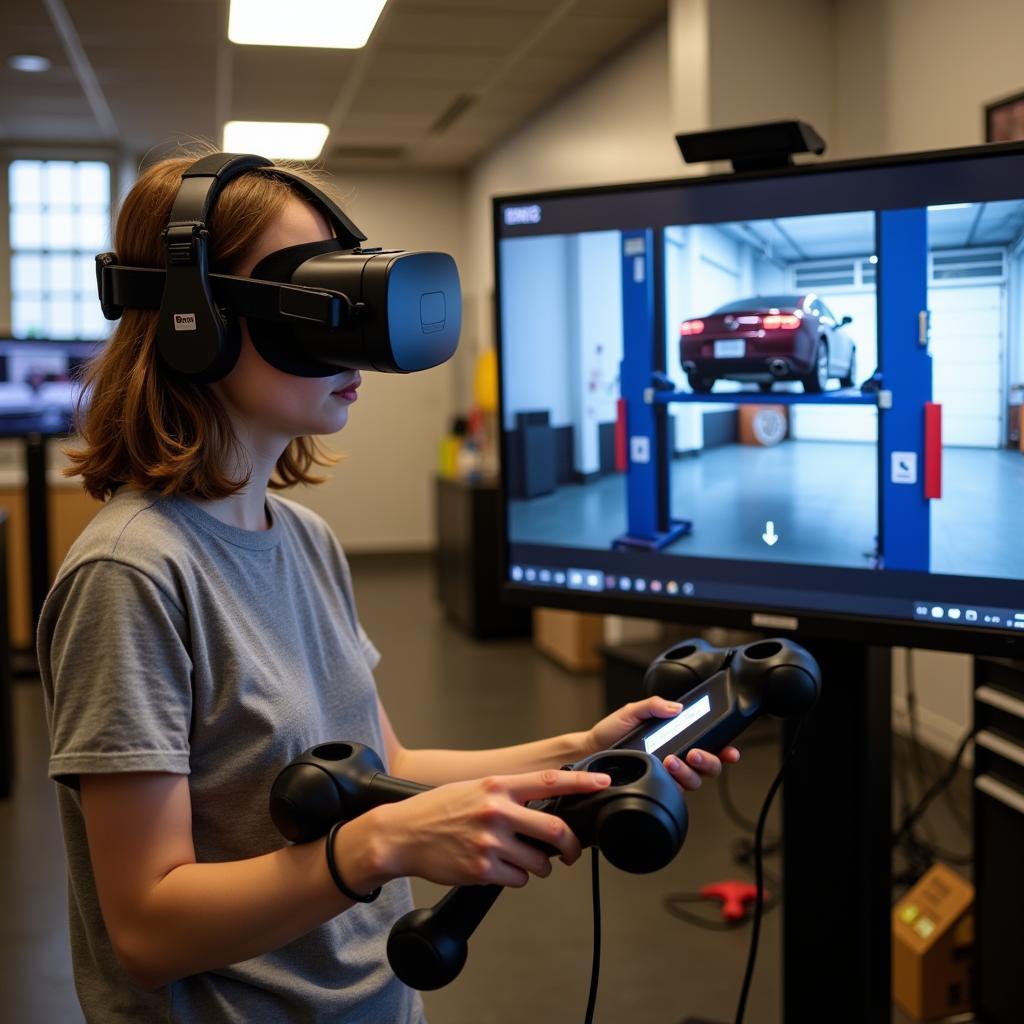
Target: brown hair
pixel 140 424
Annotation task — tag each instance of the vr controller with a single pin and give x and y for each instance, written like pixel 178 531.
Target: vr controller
pixel 639 822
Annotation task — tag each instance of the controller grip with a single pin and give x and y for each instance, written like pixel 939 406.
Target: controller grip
pixel 427 948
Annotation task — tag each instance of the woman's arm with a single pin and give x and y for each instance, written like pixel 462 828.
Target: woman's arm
pixel 436 767
pixel 168 916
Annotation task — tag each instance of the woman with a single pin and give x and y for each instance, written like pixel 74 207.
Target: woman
pixel 201 633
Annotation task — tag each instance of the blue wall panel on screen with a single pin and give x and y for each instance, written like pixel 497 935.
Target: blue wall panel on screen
pixel 907 372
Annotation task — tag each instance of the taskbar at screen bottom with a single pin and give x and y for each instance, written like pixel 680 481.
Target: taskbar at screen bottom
pixel 995 606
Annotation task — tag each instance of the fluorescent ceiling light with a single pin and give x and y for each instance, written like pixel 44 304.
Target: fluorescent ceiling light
pixel 29 62
pixel 341 24
pixel 275 139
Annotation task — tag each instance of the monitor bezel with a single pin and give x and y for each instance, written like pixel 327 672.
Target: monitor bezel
pixel 702 612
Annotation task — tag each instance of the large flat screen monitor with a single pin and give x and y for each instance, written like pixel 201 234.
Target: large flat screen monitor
pixel 784 400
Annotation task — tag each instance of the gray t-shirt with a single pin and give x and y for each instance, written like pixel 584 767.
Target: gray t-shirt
pixel 171 642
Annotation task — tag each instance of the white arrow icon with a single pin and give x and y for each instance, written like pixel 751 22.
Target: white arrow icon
pixel 769 536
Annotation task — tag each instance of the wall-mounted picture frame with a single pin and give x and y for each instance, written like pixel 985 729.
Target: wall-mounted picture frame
pixel 1004 119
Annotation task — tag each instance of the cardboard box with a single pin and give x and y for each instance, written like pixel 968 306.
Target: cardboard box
pixel 571 639
pixel 933 946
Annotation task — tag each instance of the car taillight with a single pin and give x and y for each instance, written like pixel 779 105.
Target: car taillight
pixel 691 327
pixel 780 322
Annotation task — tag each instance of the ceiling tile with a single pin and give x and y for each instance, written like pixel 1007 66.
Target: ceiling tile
pixel 156 63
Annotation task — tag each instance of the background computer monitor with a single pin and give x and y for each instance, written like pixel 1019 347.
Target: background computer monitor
pixel 39 383
pixel 780 400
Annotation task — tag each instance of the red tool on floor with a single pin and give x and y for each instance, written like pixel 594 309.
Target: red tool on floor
pixel 734 897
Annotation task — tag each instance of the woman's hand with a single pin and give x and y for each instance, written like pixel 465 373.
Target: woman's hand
pixel 689 774
pixel 468 833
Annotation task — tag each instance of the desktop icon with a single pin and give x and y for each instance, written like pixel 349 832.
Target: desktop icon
pixel 971 615
pixel 672 587
pixel 517 572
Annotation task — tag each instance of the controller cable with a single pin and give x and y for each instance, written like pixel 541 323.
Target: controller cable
pixel 595 965
pixel 904 835
pixel 759 902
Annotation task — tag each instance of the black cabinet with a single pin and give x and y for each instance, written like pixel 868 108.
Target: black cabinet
pixel 469 543
pixel 999 839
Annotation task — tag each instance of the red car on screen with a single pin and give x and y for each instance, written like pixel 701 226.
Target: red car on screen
pixel 769 338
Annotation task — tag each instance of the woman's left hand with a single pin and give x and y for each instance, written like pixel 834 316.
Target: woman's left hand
pixel 689 774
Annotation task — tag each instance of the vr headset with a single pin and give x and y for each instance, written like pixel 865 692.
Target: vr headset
pixel 312 310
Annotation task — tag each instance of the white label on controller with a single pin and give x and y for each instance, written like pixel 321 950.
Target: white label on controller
pixel 698 709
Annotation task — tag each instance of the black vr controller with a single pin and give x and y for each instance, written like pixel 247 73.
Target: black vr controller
pixel 638 823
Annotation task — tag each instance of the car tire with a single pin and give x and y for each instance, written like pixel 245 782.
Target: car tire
pixel 817 379
pixel 700 385
pixel 850 379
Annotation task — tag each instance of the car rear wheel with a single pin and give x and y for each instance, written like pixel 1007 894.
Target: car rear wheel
pixel 817 380
pixel 849 380
pixel 699 384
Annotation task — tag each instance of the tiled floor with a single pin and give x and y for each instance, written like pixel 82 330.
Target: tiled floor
pixel 530 959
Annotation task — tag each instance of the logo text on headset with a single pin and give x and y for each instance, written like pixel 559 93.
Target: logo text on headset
pixel 522 214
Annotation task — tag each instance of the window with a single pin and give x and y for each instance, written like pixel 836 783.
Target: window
pixel 60 219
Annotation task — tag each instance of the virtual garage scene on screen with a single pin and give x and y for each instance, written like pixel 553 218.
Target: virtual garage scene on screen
pixel 771 346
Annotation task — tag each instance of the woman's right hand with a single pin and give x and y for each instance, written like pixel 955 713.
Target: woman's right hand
pixel 467 833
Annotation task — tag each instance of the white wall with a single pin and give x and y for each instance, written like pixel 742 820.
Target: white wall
pixel 613 127
pixel 563 343
pixel 537 360
pixel 933 64
pixel 598 348
pixel 772 61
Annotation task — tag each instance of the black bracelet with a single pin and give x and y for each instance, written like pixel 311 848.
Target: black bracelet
pixel 336 874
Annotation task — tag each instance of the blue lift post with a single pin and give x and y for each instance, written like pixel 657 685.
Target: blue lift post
pixel 648 456
pixel 904 519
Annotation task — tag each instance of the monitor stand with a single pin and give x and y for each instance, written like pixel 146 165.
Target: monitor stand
pixel 837 846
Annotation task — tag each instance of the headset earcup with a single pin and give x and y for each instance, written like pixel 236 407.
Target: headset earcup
pixel 226 356
pixel 208 356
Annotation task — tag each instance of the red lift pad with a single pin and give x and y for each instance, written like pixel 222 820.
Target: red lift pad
pixel 932 450
pixel 621 442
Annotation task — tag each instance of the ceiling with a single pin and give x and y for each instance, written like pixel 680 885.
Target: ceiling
pixel 439 83
pixel 824 236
